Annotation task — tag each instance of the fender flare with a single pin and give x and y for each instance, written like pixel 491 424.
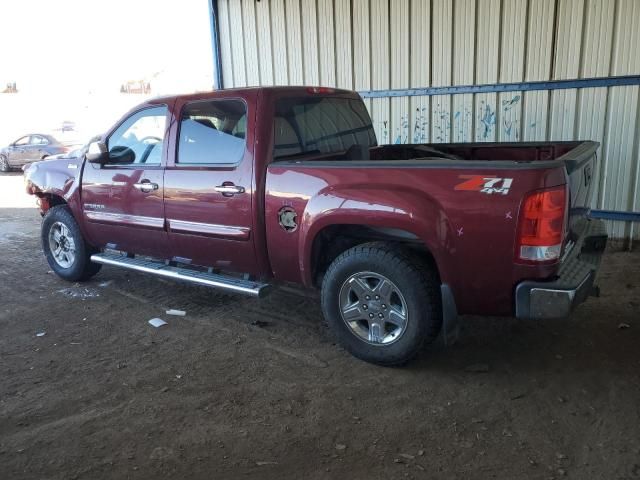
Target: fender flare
pixel 411 210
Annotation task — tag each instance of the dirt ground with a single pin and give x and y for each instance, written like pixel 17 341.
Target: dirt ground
pixel 217 394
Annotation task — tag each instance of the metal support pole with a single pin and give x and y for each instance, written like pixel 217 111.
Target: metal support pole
pixel 215 45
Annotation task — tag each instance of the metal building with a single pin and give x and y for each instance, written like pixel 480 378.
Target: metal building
pixel 460 70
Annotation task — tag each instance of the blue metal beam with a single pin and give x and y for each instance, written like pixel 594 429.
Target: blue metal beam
pixel 616 215
pixel 215 44
pixel 506 87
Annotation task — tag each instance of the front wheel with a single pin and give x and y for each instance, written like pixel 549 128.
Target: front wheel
pixel 68 254
pixel 4 164
pixel 382 303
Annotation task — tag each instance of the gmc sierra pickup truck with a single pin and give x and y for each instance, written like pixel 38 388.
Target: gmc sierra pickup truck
pixel 246 188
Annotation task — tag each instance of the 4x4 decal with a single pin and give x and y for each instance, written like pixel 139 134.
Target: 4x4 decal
pixel 489 185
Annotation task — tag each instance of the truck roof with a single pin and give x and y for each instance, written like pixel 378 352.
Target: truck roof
pixel 293 90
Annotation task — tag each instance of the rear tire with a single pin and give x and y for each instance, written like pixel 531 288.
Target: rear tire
pixel 382 303
pixel 68 254
pixel 4 164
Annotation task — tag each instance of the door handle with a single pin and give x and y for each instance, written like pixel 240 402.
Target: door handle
pixel 229 190
pixel 146 186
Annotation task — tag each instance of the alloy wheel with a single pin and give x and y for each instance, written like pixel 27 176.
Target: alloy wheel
pixel 373 308
pixel 62 245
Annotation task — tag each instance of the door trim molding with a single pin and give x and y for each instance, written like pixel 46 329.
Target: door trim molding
pixel 209 229
pixel 124 219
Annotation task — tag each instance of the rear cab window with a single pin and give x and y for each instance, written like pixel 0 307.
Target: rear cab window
pixel 328 128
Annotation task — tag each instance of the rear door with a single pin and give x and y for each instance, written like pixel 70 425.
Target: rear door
pixel 209 183
pixel 36 148
pixel 122 200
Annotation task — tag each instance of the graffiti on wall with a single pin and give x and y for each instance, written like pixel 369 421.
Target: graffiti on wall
pixel 462 121
pixel 402 130
pixel 510 118
pixel 421 125
pixel 440 124
pixel 487 121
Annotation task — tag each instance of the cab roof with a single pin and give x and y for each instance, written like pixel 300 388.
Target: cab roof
pixel 292 90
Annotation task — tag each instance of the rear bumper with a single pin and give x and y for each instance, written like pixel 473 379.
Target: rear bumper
pixel 575 281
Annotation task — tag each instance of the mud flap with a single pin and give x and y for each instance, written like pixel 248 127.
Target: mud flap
pixel 450 331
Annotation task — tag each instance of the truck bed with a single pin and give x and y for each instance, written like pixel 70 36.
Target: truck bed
pixel 425 185
pixel 479 152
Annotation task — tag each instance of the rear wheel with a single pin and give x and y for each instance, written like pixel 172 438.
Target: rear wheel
pixel 382 303
pixel 4 164
pixel 64 246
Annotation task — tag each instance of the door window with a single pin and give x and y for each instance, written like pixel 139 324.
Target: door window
pixel 139 139
pixel 212 132
pixel 38 140
pixel 22 142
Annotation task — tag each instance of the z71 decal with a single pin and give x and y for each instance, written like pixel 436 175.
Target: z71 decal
pixel 489 185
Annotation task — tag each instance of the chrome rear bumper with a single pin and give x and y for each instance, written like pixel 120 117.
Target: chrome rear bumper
pixel 575 282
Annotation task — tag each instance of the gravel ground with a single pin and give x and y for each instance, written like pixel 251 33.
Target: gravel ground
pixel 243 388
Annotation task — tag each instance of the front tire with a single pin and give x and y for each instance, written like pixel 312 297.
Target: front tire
pixel 382 303
pixel 4 164
pixel 67 252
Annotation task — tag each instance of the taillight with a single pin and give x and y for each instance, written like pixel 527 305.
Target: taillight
pixel 541 225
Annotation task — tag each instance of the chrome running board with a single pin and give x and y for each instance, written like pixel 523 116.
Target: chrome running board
pixel 214 280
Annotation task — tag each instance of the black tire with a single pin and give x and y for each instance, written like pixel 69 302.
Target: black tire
pixel 4 164
pixel 414 280
pixel 81 268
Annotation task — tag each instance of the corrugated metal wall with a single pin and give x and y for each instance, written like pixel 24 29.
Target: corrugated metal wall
pixel 395 44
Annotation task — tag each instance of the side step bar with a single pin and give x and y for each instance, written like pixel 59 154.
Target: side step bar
pixel 215 280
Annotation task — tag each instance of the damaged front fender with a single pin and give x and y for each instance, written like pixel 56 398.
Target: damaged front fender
pixel 53 181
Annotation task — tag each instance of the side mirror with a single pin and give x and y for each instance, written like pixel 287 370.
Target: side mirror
pixel 121 155
pixel 97 153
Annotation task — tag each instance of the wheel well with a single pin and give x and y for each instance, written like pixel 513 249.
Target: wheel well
pixel 48 200
pixel 331 241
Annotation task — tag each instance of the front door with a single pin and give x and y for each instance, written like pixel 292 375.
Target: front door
pixel 122 200
pixel 209 185
pixel 18 152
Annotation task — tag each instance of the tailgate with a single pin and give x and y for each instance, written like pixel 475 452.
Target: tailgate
pixel 580 164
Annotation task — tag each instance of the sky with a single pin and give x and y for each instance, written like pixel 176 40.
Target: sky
pixel 87 45
pixel 70 57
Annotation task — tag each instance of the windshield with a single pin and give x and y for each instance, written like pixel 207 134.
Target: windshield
pixel 324 127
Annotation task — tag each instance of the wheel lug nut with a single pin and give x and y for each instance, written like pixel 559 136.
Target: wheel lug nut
pixel 377 297
pixel 367 297
pixel 380 315
pixel 365 306
pixel 371 315
pixel 384 306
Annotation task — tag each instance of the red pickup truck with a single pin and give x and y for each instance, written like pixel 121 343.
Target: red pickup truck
pixel 242 189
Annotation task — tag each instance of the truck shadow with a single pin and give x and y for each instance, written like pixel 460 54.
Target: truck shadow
pixel 594 339
pixel 600 337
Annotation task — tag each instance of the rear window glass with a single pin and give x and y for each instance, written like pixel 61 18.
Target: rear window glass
pixel 308 127
pixel 212 132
